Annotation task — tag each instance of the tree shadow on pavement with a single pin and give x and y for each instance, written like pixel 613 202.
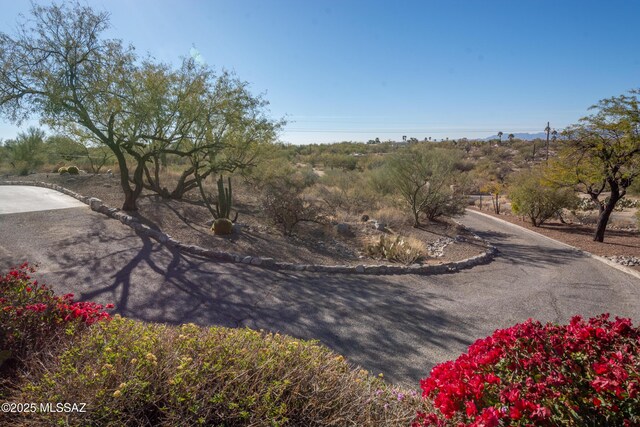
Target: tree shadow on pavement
pixel 380 323
pixel 528 253
pixel 523 254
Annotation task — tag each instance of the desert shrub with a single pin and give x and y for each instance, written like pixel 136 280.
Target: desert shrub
pixel 275 168
pixel 345 162
pixel 63 170
pixel 583 373
pixel 585 204
pixel 73 170
pixel 345 190
pixel 135 373
pixel 533 197
pixel 634 188
pixel 26 152
pixel 282 195
pixel 32 316
pixel 287 207
pixel 443 203
pixel 399 249
pixel 425 181
pixel 391 216
pixel 624 203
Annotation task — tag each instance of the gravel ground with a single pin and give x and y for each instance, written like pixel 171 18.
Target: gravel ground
pixel 313 244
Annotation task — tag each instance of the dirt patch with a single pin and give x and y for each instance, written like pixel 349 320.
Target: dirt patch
pixel 188 221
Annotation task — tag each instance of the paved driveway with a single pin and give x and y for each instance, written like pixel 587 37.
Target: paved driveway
pixel 25 198
pixel 398 325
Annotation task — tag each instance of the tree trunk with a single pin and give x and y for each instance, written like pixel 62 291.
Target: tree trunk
pixel 153 184
pixel 605 212
pixel 181 186
pixel 603 219
pixel 129 195
pixel 129 202
pixel 138 181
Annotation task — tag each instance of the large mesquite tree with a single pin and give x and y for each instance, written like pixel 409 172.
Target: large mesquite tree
pixel 601 154
pixel 58 67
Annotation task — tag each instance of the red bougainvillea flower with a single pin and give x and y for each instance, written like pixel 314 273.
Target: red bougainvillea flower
pixel 22 297
pixel 586 372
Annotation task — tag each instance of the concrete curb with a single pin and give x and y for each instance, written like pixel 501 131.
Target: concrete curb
pixel 581 251
pixel 269 263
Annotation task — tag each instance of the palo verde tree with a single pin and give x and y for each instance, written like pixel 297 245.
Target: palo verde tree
pixel 59 67
pixel 231 129
pixel 601 154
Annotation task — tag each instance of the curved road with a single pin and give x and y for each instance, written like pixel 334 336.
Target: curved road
pixel 398 325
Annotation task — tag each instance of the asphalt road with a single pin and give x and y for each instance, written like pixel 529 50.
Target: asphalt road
pixel 398 325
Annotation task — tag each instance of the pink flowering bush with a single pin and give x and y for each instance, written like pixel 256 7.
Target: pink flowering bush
pixel 31 315
pixel 583 373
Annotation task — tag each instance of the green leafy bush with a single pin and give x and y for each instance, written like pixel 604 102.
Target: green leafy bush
pixel 134 373
pixel 532 196
pixel 26 153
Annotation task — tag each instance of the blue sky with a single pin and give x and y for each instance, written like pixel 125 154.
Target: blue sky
pixel 356 70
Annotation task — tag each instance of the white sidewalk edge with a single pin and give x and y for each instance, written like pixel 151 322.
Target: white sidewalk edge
pixel 604 260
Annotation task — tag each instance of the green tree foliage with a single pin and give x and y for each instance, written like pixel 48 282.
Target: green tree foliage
pixel 601 154
pixel 59 67
pixel 26 152
pixel 425 179
pixel 62 147
pixel 78 149
pixel 534 197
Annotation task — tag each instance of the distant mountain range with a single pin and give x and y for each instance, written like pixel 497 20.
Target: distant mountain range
pixel 524 136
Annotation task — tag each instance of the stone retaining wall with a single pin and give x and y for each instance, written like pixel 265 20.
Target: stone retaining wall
pixel 98 206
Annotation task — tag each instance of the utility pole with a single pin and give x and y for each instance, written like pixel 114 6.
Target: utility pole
pixel 547 130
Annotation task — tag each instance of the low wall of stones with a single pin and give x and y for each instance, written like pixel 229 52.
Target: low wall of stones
pixel 98 206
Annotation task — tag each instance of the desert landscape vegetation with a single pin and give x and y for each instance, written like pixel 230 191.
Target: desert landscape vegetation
pixel 193 153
